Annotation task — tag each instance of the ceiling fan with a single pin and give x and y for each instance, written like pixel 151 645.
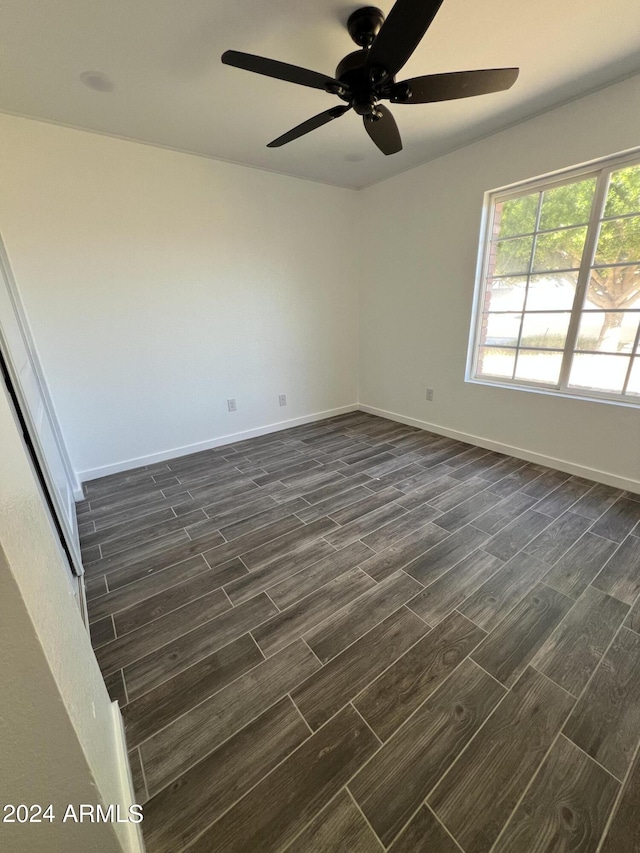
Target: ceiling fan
pixel 368 75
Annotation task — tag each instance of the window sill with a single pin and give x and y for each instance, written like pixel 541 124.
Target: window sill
pixel 552 392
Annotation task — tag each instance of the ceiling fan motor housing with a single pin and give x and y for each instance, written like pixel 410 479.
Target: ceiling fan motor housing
pixel 364 24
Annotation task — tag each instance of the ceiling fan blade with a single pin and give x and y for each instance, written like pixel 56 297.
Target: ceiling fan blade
pixel 309 125
pixel 457 84
pixel 401 33
pixel 384 132
pixel 280 70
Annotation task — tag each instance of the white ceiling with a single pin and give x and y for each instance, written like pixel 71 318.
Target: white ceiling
pixel 172 90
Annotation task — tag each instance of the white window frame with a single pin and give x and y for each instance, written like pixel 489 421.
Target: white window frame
pixel 600 169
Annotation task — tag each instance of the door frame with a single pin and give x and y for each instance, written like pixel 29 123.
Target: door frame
pixel 69 542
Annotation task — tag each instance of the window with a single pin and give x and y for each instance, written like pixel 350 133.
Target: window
pixel 559 303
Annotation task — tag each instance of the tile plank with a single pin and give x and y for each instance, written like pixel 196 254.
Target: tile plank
pixel 146 639
pixel 339 826
pixel 571 654
pixel 341 629
pixel 347 674
pixel 308 580
pixel 508 649
pixel 400 554
pixel 284 545
pixel 422 826
pixel 558 537
pixel 176 815
pixel 275 810
pixel 559 501
pixel 394 783
pixel 618 521
pixel 624 832
pixel 402 526
pixel 475 798
pixel 504 513
pixel 490 603
pixel 454 586
pixel 191 737
pixel 620 577
pixel 579 566
pixel 435 562
pixel 389 700
pixel 566 807
pixel 166 661
pixel 513 538
pixel 175 597
pixel 605 723
pixel 278 570
pixel 364 525
pixel 303 617
pixel 153 710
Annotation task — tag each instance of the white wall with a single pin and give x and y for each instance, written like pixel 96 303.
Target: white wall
pixel 58 733
pixel 159 284
pixel 417 292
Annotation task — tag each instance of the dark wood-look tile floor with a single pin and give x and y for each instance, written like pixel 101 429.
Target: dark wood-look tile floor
pixel 354 635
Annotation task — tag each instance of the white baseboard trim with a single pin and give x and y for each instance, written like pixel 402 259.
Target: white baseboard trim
pixel 135 842
pixel 128 464
pixel 519 452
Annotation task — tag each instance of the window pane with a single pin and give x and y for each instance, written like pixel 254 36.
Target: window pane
pixel 559 250
pixel 567 205
pixel 619 241
pixel 539 366
pixel 599 372
pixel 607 331
pixel 548 331
pixel 624 192
pixel 505 294
pixel 511 256
pixel 516 217
pixel 614 287
pixel 496 362
pixel 500 329
pixel 634 380
pixel 552 291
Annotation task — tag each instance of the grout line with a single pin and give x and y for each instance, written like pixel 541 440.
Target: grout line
pixel 380 741
pixel 591 758
pixel 201 702
pixel 442 824
pixel 618 799
pixel 312 652
pixel 560 732
pixel 300 714
pixel 548 677
pixel 256 644
pixel 136 749
pixel 374 440
pixel 124 684
pixel 364 817
pixel 266 592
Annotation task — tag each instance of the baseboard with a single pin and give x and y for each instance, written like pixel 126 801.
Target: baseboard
pixel 127 464
pixel 519 452
pixel 136 843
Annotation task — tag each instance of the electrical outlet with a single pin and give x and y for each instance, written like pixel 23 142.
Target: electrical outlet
pixel 282 399
pixel 430 394
pixel 231 405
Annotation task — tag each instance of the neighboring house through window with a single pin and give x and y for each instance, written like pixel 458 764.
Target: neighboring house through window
pixel 559 299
